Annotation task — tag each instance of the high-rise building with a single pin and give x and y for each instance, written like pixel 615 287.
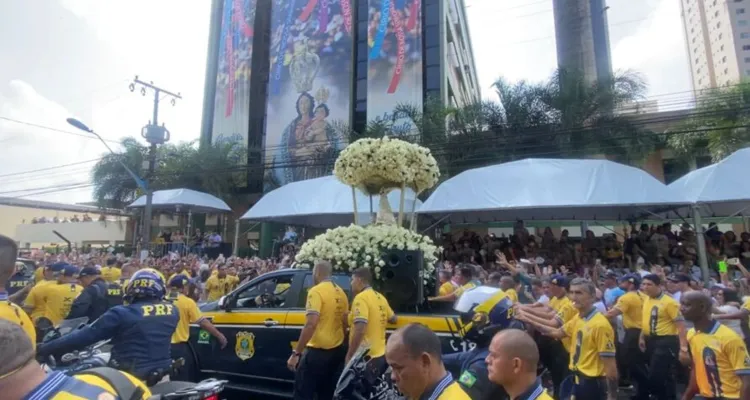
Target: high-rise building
pixel 284 76
pixel 717 34
pixel 582 36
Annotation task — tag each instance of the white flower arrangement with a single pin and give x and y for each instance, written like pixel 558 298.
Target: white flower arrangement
pixel 354 246
pixel 377 164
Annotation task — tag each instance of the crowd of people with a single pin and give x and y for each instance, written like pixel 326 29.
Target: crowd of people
pixel 603 316
pixel 65 220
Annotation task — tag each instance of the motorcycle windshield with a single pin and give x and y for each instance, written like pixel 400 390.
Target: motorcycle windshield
pixel 70 325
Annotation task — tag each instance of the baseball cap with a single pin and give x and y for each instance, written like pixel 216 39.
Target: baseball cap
pixel 89 271
pixel 611 275
pixel 559 280
pixel 179 281
pixel 632 278
pixel 57 267
pixel 70 270
pixel 679 278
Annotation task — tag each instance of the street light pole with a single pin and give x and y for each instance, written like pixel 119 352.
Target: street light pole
pixel 138 181
pixel 154 135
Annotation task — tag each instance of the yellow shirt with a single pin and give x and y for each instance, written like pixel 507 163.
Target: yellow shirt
pixel 329 302
pixel 102 384
pixel 39 274
pixel 36 299
pixel 461 289
pixel 58 300
pixel 217 287
pixel 14 313
pixel 592 338
pixel 234 281
pixel 446 289
pixel 371 308
pixel 111 274
pixel 512 294
pixel 189 314
pixel 719 359
pixel 566 311
pixel 659 315
pixel 631 306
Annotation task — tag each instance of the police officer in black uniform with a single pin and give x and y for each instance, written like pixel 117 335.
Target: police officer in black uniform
pixel 92 302
pixel 484 311
pixel 20 279
pixel 141 331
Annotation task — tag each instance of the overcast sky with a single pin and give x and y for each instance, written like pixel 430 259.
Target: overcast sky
pixel 76 58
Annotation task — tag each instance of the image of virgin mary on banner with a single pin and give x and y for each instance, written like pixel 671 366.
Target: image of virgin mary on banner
pixel 394 73
pixel 309 88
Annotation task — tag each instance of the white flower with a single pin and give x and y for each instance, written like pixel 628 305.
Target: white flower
pixel 385 162
pixel 351 246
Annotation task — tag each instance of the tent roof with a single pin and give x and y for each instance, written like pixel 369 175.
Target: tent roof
pixel 319 202
pixel 549 189
pixel 721 188
pixel 185 199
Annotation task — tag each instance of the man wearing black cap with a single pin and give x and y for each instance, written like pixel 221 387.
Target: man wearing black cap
pixel 554 352
pixel 663 337
pixel 677 285
pixel 630 359
pixel 92 302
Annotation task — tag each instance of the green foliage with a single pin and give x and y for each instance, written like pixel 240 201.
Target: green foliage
pixel 218 169
pixel 719 125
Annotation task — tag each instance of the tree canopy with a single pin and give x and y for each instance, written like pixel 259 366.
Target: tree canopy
pixel 718 126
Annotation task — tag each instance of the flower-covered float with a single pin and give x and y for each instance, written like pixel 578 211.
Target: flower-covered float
pixel 376 167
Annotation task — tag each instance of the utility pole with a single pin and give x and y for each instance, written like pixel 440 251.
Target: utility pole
pixel 154 135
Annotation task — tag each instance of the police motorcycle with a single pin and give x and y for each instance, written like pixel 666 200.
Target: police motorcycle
pixel 93 356
pixel 97 355
pixel 358 381
pixel 484 311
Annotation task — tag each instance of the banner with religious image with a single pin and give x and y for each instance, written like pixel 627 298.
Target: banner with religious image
pixel 309 93
pixel 232 101
pixel 394 74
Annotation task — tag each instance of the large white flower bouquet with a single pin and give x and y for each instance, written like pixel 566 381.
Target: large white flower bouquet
pixel 376 165
pixel 354 246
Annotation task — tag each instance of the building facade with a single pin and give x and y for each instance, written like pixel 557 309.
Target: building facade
pixel 717 37
pixel 293 79
pixel 582 38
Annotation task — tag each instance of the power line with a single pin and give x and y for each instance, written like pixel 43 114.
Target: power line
pixel 54 129
pixel 51 168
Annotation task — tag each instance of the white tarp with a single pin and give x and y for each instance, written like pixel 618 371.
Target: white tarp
pixel 322 203
pixel 721 189
pixel 184 200
pixel 549 189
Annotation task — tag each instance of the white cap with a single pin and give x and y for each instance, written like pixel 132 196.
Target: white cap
pixel 474 297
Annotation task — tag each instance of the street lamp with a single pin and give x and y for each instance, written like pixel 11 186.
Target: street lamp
pixel 142 184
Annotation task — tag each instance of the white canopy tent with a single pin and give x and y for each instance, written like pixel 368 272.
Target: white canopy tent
pixel 184 200
pixel 549 189
pixel 718 190
pixel 321 203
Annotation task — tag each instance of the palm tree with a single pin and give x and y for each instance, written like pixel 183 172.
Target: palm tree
pixel 219 169
pixel 581 118
pixel 719 125
pixel 113 186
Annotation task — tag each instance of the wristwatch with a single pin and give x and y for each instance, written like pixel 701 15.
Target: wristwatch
pixel 296 353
